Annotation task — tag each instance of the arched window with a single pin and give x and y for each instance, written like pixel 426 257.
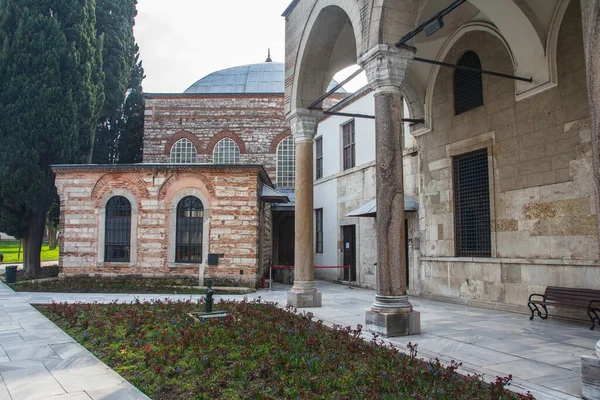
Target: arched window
pixel 183 151
pixel 117 233
pixel 468 89
pixel 226 152
pixel 286 163
pixel 190 219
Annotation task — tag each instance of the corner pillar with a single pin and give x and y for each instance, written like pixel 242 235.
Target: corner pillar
pixel 391 314
pixel 303 124
pixel 590 13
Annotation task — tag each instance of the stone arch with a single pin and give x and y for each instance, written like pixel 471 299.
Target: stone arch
pixel 101 203
pixel 414 103
pixel 452 40
pixel 527 50
pixel 164 189
pixel 331 41
pixel 111 181
pixel 277 139
pixel 210 147
pixel 552 40
pixel 170 239
pixel 390 21
pixel 182 135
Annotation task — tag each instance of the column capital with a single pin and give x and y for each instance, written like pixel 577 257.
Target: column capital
pixel 303 124
pixel 386 67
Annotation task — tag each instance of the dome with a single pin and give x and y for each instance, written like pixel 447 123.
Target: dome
pixel 267 77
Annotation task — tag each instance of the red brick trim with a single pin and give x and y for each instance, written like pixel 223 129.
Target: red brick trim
pixel 278 140
pixel 210 147
pixel 114 181
pixel 162 192
pixel 181 135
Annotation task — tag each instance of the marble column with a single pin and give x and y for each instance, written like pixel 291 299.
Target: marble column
pixel 303 294
pixel 391 314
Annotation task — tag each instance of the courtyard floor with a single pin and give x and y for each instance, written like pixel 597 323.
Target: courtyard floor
pixel 542 356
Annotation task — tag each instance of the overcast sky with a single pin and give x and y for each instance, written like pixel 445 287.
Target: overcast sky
pixel 182 41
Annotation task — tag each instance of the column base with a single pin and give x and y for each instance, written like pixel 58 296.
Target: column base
pixel 393 316
pixel 304 295
pixel 397 324
pixel 305 299
pixel 590 377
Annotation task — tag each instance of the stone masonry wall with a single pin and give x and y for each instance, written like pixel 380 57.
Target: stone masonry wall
pixel 229 196
pixel 542 201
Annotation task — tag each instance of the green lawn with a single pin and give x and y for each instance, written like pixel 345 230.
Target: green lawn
pixel 10 249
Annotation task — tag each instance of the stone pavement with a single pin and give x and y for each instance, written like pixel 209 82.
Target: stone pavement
pixel 39 361
pixel 542 356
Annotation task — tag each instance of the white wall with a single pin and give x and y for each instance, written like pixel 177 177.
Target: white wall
pixel 338 192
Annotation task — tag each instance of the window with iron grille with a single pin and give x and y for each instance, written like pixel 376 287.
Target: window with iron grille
pixel 183 152
pixel 468 88
pixel 319 230
pixel 471 184
pixel 319 166
pixel 226 152
pixel 190 219
pixel 348 140
pixel 117 232
pixel 286 163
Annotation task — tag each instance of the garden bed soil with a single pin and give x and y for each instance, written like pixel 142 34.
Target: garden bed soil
pixel 259 351
pixel 108 285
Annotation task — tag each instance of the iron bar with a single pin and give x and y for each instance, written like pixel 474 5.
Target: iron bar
pixel 342 114
pixel 482 71
pixel 418 30
pixel 318 101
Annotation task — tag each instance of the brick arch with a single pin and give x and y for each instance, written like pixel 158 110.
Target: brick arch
pixel 278 140
pixel 164 189
pixel 182 135
pixel 210 147
pixel 111 181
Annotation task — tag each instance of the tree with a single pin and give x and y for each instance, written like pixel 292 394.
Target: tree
pixel 50 98
pixel 131 126
pixel 115 21
pixel 119 137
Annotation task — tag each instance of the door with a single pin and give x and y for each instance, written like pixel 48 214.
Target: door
pixel 349 251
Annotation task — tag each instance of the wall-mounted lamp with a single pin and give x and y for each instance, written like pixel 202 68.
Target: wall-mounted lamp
pixel 433 26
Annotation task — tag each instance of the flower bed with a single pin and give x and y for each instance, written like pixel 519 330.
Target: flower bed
pixel 109 285
pixel 258 351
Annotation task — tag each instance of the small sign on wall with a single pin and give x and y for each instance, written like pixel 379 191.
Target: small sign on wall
pixel 213 259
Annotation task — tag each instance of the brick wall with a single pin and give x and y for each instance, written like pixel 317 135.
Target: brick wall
pixel 256 120
pixel 231 209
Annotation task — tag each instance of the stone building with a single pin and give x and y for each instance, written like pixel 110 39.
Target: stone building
pixel 217 172
pixel 505 185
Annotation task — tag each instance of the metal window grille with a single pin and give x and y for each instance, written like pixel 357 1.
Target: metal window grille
pixel 319 230
pixel 319 166
pixel 286 163
pixel 183 152
pixel 348 133
pixel 472 205
pixel 117 232
pixel 190 220
pixel 468 88
pixel 226 152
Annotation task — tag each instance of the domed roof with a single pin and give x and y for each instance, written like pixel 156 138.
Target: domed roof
pixel 267 77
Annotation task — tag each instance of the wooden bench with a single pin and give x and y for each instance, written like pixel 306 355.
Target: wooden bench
pixel 584 299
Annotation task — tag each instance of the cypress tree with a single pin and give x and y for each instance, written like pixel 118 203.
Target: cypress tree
pixel 50 97
pixel 131 122
pixel 115 21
